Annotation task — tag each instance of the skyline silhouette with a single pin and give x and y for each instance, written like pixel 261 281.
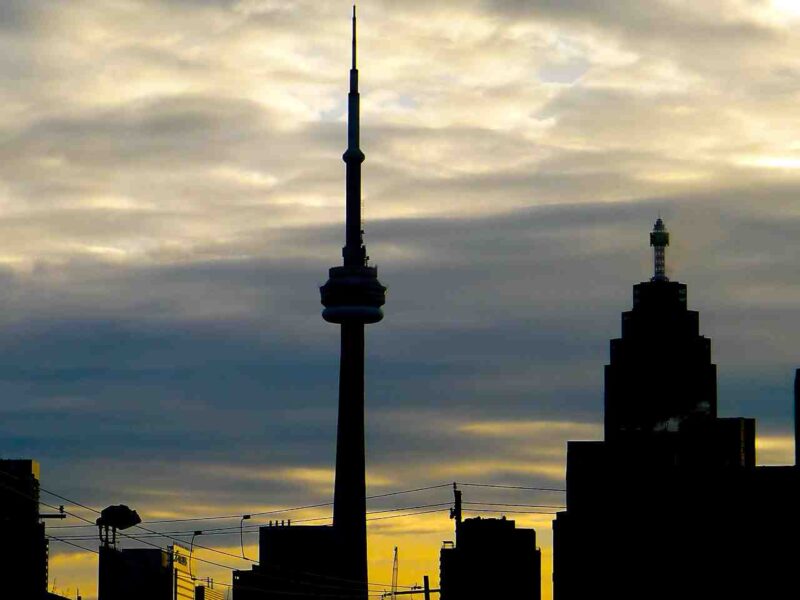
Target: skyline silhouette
pixel 671 474
pixel 171 186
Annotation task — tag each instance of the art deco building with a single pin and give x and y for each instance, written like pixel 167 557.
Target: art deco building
pixel 671 504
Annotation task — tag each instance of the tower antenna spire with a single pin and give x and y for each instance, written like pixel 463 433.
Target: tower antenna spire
pixel 354 252
pixel 354 37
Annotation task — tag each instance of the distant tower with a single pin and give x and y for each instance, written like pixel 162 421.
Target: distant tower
pixel 659 240
pixel 660 374
pixel 352 298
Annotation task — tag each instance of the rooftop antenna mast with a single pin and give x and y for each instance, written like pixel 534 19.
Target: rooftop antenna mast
pixel 659 240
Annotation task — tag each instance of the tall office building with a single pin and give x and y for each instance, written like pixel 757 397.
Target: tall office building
pixel 661 355
pixel 305 562
pixel 672 504
pixel 23 546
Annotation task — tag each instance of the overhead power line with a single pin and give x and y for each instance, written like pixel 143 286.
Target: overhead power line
pixel 257 514
pixel 198 546
pixel 310 506
pixel 512 487
pixel 221 552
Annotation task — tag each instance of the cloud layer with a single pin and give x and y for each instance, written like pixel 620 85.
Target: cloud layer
pixel 171 196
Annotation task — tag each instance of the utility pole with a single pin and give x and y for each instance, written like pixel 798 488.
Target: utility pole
pixel 394 574
pixel 426 590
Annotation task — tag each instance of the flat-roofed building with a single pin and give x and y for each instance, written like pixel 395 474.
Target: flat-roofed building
pixel 491 558
pixel 152 573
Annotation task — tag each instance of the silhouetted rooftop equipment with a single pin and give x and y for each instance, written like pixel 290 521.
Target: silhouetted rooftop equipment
pixel 115 518
pixel 659 240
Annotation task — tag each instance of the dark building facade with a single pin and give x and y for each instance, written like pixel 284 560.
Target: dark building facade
pixel 671 504
pixel 297 562
pixel 152 573
pixel 490 559
pixel 307 562
pixel 23 545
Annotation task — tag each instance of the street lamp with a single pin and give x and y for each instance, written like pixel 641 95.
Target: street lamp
pixel 241 532
pixel 191 548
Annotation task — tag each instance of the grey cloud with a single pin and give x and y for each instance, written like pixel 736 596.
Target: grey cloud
pixel 170 197
pixel 641 19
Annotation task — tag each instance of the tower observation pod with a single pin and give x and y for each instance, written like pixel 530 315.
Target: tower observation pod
pixel 659 240
pixel 352 298
pixel 353 294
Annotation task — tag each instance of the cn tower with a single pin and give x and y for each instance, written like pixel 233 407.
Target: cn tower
pixel 352 298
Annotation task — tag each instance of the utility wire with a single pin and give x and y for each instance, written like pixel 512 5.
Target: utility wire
pixel 516 505
pixel 251 529
pixel 521 512
pixel 58 539
pixel 319 505
pixel 144 541
pixel 256 514
pixel 160 534
pixel 375 594
pixel 512 487
pixel 122 534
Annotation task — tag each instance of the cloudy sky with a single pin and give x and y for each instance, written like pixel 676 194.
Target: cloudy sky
pixel 171 195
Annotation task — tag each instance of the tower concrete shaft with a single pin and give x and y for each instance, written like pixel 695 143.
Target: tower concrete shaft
pixel 352 298
pixel 349 497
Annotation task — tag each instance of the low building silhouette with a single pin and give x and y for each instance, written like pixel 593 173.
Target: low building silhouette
pixel 671 504
pixel 152 573
pixel 491 558
pixel 298 562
